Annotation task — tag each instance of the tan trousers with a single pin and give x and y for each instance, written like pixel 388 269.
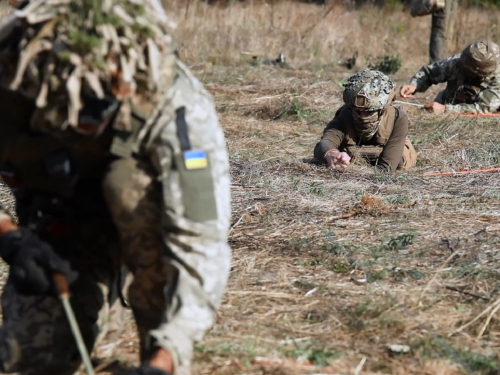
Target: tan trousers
pixel 409 155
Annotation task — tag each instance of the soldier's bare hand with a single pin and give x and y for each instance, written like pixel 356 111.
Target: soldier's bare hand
pixel 407 90
pixel 435 107
pixel 335 158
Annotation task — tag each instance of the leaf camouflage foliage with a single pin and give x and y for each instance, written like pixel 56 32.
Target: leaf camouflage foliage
pixel 67 50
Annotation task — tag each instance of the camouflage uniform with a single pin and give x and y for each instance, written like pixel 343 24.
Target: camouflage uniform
pixel 463 93
pixel 153 198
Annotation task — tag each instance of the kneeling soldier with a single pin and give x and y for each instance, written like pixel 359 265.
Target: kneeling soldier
pixel 117 161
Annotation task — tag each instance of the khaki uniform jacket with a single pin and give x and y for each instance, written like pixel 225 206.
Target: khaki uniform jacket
pixel 389 139
pixel 450 70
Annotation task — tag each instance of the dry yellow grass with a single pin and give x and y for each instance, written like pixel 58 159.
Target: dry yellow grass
pixel 310 34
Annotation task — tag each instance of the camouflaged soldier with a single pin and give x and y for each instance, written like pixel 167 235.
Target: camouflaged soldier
pixel 368 126
pixel 472 80
pixel 116 158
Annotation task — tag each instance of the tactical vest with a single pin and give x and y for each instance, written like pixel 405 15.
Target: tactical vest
pixel 372 149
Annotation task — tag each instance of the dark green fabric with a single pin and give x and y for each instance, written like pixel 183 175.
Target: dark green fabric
pixel 438 30
pixel 198 193
pixel 123 142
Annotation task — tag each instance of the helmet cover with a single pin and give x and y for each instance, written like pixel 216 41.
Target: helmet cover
pixel 368 90
pixel 367 94
pixel 480 58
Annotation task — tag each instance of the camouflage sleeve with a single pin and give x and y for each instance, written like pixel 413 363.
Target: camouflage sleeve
pixel 488 102
pixel 188 152
pixel 442 71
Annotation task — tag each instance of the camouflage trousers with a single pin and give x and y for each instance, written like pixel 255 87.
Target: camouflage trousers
pixel 441 27
pixel 169 227
pixel 437 37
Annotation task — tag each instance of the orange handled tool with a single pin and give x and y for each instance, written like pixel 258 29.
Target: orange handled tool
pixel 62 286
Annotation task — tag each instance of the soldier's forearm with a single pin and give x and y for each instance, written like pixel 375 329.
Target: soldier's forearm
pixel 420 84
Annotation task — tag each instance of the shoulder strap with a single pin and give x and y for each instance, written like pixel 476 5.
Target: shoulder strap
pixel 124 141
pixel 386 126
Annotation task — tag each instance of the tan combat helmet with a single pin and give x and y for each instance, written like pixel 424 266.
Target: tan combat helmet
pixel 367 94
pixel 480 58
pixel 66 53
pixel 368 90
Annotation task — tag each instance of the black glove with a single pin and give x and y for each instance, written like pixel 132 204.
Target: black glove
pixel 147 370
pixel 32 262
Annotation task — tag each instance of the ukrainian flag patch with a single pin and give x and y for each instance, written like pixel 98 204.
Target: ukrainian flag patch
pixel 195 159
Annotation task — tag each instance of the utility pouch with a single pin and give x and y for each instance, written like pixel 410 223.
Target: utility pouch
pixel 124 141
pixel 420 8
pixel 195 174
pixel 198 194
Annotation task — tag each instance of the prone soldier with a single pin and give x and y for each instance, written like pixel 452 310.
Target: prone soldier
pixel 472 80
pixel 367 125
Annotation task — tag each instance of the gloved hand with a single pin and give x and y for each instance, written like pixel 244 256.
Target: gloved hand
pixel 147 370
pixel 32 262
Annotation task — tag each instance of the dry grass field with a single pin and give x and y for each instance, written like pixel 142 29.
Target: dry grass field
pixel 330 267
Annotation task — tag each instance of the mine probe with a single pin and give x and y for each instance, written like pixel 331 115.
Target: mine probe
pixel 63 288
pixel 409 103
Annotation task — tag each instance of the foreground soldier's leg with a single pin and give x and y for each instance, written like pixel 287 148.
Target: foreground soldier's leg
pixel 174 221
pixel 35 337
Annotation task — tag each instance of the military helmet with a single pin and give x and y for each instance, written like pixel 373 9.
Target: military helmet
pixel 70 51
pixel 368 90
pixel 480 58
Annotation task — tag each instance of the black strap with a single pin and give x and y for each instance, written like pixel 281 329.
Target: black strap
pixel 182 131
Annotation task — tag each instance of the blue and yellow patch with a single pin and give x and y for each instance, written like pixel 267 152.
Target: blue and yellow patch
pixel 195 159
